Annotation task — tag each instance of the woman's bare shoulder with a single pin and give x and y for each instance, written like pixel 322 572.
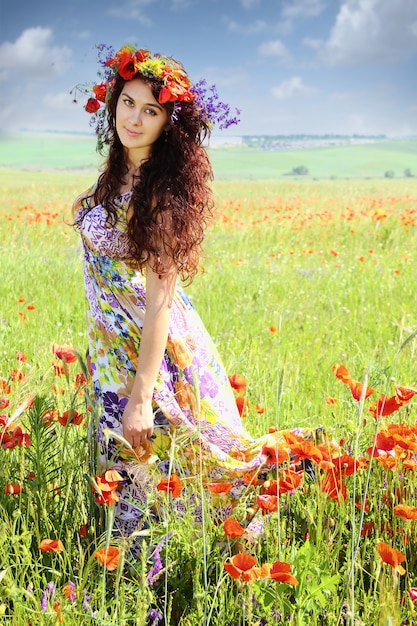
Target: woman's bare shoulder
pixel 80 199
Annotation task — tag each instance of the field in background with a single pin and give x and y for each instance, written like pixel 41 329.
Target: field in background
pixel 371 160
pixel 299 275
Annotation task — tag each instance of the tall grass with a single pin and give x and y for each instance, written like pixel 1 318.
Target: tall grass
pixel 297 276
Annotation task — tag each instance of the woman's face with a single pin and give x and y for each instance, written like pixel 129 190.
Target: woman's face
pixel 140 120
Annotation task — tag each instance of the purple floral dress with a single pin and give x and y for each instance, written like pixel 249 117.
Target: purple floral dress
pixel 197 425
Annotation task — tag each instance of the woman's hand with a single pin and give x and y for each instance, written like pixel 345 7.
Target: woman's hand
pixel 137 422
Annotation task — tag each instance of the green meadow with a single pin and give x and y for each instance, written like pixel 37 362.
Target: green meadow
pixel 300 274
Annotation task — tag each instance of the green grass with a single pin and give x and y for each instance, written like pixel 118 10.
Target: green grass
pixel 61 152
pixel 298 275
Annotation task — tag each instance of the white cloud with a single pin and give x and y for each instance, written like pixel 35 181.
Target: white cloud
pixel 293 88
pixel 373 32
pixel 258 26
pixel 302 9
pixel 310 42
pixel 274 48
pixel 34 55
pixel 132 10
pixel 294 10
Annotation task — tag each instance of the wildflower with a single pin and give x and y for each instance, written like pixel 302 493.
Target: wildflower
pixel 280 571
pixel 49 592
pixel 306 450
pixel 154 617
pixel 259 409
pixel 275 451
pixel 241 566
pixel 70 417
pixel 219 487
pixel 242 406
pixel 273 329
pixel 355 387
pixel 13 489
pixel 4 386
pixel 107 484
pixel 16 438
pixel 156 556
pixel 388 405
pixel 289 480
pixel 391 556
pixel 69 591
pixel 238 382
pixel 405 511
pixel 51 545
pixel 268 503
pixel 412 592
pixel 109 557
pixel 21 356
pixel 331 401
pixel 172 484
pixel 64 352
pixel 232 528
pixel 334 487
pixel 4 403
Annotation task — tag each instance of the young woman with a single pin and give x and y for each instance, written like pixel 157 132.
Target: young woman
pixel 158 379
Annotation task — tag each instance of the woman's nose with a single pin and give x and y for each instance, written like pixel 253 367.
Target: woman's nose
pixel 136 116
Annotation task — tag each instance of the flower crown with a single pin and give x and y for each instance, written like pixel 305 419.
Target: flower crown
pixel 176 85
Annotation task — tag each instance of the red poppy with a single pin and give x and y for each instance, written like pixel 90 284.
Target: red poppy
pixel 274 450
pixel 259 409
pixel 334 487
pixel 4 386
pixel 71 417
pixel 13 489
pixel 65 352
pixel 51 545
pixel 4 403
pixel 306 450
pixel 242 566
pixel 16 438
pixel 100 91
pixel 268 503
pixel 405 511
pixel 107 485
pixel 242 406
pixel 21 356
pixel 219 487
pixel 289 480
pixel 391 556
pixel 232 528
pixel 238 382
pixel 346 465
pixel 109 557
pixel 355 387
pixel 92 105
pixel 173 485
pixel 280 571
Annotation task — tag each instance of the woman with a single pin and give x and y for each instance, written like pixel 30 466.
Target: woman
pixel 157 376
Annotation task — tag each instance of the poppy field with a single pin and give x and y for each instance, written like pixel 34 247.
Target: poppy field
pixel 308 290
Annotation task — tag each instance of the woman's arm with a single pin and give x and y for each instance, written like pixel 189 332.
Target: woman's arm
pixel 138 416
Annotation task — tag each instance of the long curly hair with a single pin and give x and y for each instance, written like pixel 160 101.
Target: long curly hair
pixel 171 200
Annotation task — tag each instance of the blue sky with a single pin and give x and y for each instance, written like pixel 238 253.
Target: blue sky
pixel 292 66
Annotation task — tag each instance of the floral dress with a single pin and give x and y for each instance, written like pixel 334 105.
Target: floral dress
pixel 198 429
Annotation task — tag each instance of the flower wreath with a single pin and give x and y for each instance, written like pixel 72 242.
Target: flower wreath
pixel 176 85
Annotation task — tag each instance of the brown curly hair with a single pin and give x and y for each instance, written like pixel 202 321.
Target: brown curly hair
pixel 171 200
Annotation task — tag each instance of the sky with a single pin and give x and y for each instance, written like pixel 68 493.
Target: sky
pixel 291 66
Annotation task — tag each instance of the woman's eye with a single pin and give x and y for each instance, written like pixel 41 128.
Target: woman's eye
pixel 128 103
pixel 151 111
